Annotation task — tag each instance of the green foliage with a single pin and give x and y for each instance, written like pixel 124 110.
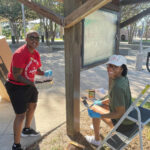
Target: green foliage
pixel 36 27
pixel 147 104
pixel 11 10
pixel 6 32
pixel 132 10
pixel 54 5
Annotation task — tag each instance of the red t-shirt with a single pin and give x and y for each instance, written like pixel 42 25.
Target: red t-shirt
pixel 29 62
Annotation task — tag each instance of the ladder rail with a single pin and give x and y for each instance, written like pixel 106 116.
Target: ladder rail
pixel 140 127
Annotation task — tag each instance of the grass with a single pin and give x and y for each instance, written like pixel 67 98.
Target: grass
pixel 146 105
pixel 147 128
pixel 146 40
pixel 58 39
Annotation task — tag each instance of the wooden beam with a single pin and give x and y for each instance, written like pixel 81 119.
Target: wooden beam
pixel 130 2
pixel 73 44
pixel 113 7
pixel 116 2
pixel 43 11
pixel 135 18
pixel 84 10
pixel 60 1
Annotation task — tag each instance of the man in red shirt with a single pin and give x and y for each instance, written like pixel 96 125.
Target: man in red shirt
pixel 20 86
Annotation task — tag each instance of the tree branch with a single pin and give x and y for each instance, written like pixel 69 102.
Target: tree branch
pixel 135 18
pixel 43 11
pixel 129 2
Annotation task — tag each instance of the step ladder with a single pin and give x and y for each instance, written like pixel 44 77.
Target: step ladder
pixel 141 116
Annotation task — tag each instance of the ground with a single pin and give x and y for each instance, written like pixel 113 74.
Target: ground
pixel 58 140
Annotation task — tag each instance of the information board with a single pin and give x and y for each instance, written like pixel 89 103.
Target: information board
pixel 99 37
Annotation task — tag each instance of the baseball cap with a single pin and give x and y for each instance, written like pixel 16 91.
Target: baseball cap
pixel 117 60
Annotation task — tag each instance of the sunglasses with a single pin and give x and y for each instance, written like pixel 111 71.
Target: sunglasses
pixel 34 38
pixel 112 66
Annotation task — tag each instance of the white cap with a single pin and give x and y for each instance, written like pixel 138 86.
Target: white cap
pixel 117 60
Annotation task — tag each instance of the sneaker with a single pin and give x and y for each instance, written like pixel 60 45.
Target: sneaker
pixel 91 139
pixel 16 147
pixel 91 127
pixel 29 132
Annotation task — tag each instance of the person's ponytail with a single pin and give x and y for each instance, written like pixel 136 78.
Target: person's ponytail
pixel 125 70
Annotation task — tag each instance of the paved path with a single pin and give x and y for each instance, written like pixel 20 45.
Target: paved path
pixel 50 112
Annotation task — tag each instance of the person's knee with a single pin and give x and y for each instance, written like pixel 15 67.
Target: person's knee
pixel 111 125
pixel 31 106
pixel 96 119
pixel 20 117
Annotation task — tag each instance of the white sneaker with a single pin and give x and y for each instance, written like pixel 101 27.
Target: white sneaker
pixel 91 139
pixel 91 126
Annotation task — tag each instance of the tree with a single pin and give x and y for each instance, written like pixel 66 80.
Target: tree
pixel 131 31
pixel 147 27
pixel 130 11
pixel 11 10
pixel 49 26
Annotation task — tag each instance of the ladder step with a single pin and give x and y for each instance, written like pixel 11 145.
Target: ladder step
pixel 145 115
pixel 116 142
pixel 130 133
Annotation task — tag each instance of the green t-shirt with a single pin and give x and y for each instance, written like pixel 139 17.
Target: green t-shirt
pixel 120 95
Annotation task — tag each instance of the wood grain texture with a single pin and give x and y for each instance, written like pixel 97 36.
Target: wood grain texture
pixel 44 11
pixel 73 41
pixel 84 10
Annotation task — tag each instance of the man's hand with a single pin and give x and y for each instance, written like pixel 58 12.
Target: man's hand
pixel 93 114
pixel 48 73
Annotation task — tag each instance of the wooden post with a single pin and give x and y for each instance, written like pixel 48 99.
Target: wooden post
pixel 73 39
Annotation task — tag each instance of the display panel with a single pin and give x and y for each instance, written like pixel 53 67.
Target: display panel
pixel 99 37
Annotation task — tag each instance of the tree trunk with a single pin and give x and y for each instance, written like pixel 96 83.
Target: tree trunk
pixel 46 35
pixel 12 33
pixel 42 29
pixel 61 32
pixel 131 32
pixel 15 29
pixel 146 32
pixel 53 31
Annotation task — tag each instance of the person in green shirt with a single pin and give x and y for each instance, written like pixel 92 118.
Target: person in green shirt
pixel 112 109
